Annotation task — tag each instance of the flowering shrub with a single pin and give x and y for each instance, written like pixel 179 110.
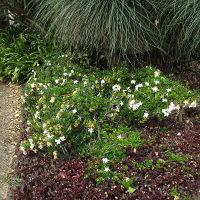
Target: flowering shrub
pixel 70 106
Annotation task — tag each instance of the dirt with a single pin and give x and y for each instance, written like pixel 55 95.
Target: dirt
pixel 10 121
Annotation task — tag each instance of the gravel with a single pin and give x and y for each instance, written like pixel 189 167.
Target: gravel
pixel 10 122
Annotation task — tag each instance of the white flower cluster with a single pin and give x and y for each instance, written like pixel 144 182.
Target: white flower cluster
pixel 138 86
pixel 60 139
pixel 193 104
pixel 134 105
pixel 171 108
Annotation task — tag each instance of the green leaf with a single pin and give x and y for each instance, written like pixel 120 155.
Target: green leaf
pixel 131 190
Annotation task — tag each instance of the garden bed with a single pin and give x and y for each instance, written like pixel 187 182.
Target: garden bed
pixel 87 135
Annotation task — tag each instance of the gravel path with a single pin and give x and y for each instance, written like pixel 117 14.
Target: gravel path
pixel 10 120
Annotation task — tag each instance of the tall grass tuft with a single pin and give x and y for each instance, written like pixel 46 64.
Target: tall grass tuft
pixel 180 27
pixel 109 26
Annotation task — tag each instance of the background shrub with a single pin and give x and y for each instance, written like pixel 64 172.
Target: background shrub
pixel 20 53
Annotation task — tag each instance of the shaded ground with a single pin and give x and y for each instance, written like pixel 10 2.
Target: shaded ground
pixel 9 132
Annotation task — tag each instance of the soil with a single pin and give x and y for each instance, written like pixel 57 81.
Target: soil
pixel 10 122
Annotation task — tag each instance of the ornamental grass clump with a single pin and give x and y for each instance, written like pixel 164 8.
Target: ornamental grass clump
pixel 106 26
pixel 179 25
pixel 71 106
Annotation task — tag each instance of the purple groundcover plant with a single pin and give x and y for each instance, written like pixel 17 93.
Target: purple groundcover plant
pixel 46 178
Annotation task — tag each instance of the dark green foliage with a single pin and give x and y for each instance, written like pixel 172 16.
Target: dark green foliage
pixel 20 53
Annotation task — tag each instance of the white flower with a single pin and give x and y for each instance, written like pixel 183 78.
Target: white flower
pixel 22 148
pixel 96 81
pixel 127 179
pixel 49 144
pixel 135 107
pixel 62 138
pixel 133 81
pixel 146 115
pixel 72 71
pixel 106 169
pixel 41 92
pixel 90 130
pixel 131 103
pixel 177 107
pixel 55 154
pixel 186 102
pixel 45 131
pixel 52 99
pixel 117 109
pixel 146 83
pixel 57 117
pixel 67 106
pixel 85 83
pixel 165 112
pixel 164 100
pixel 49 136
pixel 36 114
pixel 58 141
pixel 65 74
pixel 102 82
pixel 75 91
pixel 116 87
pixel 138 86
pixel 119 137
pixel 75 82
pixel 193 105
pixel 121 103
pixel 179 134
pixel 171 106
pixel 30 140
pixel 170 109
pixel 139 103
pixel 105 160
pixel 155 89
pixel 32 85
pixel 44 125
pixel 169 90
pixel 74 111
pixel 156 82
pixel 128 89
pixel 32 146
pixel 57 81
pixel 156 73
pixel 156 153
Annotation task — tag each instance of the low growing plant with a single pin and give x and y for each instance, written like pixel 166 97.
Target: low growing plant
pixel 70 106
